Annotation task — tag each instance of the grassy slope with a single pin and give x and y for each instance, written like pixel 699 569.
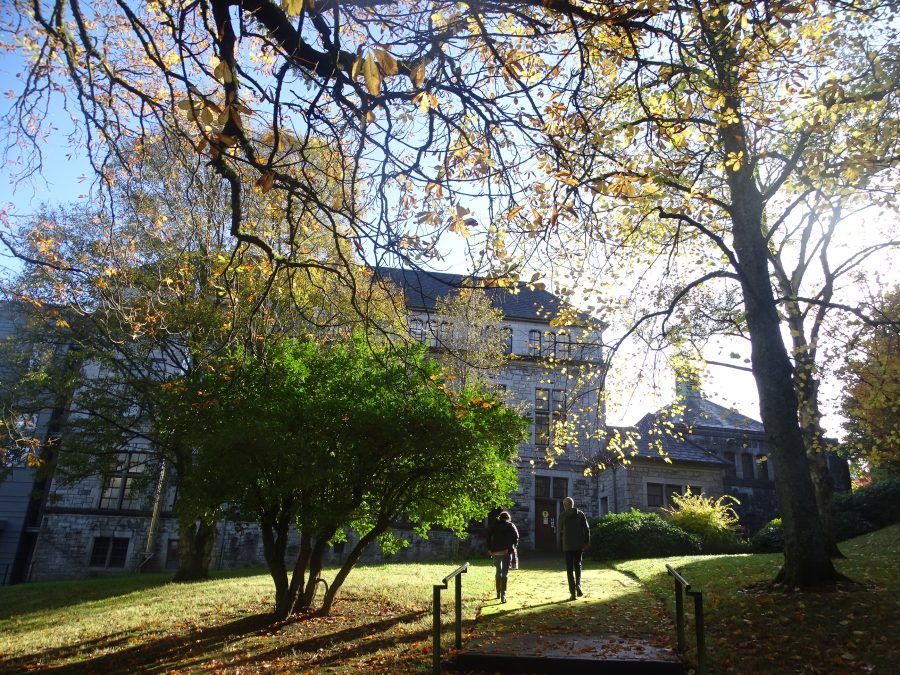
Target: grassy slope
pixel 382 620
pixel 852 630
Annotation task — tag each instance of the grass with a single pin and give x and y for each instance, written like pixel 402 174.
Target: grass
pixel 752 629
pixel 382 620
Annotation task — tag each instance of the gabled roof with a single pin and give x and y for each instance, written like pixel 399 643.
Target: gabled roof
pixel 698 412
pixel 423 289
pixel 645 442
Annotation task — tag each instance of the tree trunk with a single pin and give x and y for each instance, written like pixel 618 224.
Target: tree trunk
pixel 315 571
pixel 351 560
pixel 195 545
pixel 806 560
pixel 299 574
pixel 274 537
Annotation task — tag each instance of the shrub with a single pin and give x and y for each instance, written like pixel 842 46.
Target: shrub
pixel 635 534
pixel 877 503
pixel 713 521
pixel 770 539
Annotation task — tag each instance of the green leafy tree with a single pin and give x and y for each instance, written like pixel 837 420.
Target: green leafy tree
pixel 871 401
pixel 328 437
pixel 154 294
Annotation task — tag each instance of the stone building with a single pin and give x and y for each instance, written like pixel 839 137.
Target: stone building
pixel 713 449
pixel 124 521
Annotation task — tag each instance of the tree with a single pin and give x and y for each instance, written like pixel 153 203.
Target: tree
pixel 470 338
pixel 729 121
pixel 657 107
pixel 871 402
pixel 327 437
pixel 155 294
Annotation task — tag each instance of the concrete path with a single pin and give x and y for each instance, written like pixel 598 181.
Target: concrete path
pixel 618 626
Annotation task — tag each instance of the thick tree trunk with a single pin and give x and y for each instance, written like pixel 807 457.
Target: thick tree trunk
pixel 298 576
pixel 195 545
pixel 315 571
pixel 806 559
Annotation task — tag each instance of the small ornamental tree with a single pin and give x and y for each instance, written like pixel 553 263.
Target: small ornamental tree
pixel 324 437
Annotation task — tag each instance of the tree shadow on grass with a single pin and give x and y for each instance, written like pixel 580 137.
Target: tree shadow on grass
pixel 201 646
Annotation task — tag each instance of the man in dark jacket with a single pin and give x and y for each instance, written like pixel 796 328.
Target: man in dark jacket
pixel 502 538
pixel 574 539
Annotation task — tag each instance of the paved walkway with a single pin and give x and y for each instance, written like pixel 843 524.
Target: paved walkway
pixel 617 622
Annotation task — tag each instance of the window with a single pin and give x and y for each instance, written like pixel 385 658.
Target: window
pixel 121 490
pixel 762 467
pixel 172 554
pixel 604 506
pixel 109 552
pixel 730 470
pixel 431 334
pixel 542 487
pixel 659 495
pixel 563 346
pixel 534 343
pixel 507 334
pixel 560 488
pixel 549 409
pixel 747 464
pixel 417 331
pixel 445 332
pixel 546 487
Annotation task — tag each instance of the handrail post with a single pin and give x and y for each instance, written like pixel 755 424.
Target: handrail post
pixel 701 638
pixel 679 615
pixel 459 611
pixel 436 634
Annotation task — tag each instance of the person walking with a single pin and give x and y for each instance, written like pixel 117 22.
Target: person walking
pixel 502 539
pixel 574 539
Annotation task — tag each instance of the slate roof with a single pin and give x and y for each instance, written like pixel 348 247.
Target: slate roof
pixel 699 412
pixel 424 288
pixel 646 445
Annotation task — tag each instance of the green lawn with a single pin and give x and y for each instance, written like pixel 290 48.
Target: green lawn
pixel 382 620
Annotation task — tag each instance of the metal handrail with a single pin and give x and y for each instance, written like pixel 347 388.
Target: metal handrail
pixel 436 635
pixel 682 585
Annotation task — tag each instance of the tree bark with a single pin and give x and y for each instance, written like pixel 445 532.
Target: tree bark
pixel 195 545
pixel 274 538
pixel 349 562
pixel 806 559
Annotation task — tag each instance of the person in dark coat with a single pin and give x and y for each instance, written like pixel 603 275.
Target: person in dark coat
pixel 574 539
pixel 502 539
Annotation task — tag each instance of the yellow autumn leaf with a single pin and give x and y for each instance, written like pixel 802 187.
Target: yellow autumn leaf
pixel 387 62
pixel 371 75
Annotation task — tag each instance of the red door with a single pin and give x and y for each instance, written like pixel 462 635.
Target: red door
pixel 545 524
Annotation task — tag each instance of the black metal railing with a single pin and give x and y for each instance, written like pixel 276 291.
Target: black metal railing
pixel 681 587
pixel 436 636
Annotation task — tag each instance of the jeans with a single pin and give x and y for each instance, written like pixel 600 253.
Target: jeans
pixel 573 569
pixel 502 564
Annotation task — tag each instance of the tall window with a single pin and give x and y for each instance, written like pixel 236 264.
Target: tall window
pixel 535 343
pixel 730 470
pixel 563 346
pixel 109 552
pixel 549 408
pixel 444 332
pixel 121 489
pixel 747 465
pixel 507 334
pixel 762 467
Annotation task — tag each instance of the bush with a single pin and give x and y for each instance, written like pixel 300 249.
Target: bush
pixel 770 539
pixel 635 534
pixel 713 521
pixel 877 503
